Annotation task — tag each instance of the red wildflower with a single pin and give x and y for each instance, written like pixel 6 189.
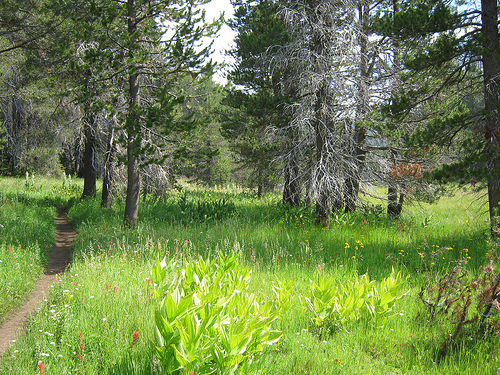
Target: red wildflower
pixel 115 288
pixel 42 371
pixel 80 336
pixel 135 338
pixel 107 287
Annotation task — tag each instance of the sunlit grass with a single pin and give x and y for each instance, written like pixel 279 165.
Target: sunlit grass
pixel 277 244
pixel 27 232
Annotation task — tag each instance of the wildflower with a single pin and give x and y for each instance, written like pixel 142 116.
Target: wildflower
pixel 79 357
pixel 107 287
pixel 135 338
pixel 191 373
pixel 115 288
pixel 40 365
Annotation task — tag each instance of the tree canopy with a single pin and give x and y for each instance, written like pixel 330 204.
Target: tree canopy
pixel 324 97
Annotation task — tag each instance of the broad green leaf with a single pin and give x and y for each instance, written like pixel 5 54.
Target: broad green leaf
pixel 164 328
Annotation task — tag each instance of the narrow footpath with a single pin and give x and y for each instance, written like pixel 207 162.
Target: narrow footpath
pixel 59 258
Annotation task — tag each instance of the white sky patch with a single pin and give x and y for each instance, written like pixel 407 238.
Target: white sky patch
pixel 225 38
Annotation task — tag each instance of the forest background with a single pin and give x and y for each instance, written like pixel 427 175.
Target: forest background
pixel 345 110
pixel 324 99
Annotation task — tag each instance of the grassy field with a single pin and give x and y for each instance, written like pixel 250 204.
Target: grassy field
pixel 27 232
pixel 100 317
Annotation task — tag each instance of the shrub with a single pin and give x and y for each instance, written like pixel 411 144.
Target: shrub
pixel 333 305
pixel 204 210
pixel 470 304
pixel 206 321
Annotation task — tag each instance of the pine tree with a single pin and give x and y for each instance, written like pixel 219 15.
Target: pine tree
pixel 256 102
pixel 451 69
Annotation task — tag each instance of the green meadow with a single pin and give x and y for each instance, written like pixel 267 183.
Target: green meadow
pixel 218 281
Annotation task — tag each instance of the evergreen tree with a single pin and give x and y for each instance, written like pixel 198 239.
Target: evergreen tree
pixel 452 53
pixel 131 50
pixel 257 101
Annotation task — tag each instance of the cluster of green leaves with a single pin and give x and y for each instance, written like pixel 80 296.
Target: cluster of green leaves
pixel 207 321
pixel 205 209
pixel 333 305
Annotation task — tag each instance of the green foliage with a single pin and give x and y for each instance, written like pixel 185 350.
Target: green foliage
pixel 440 95
pixel 205 209
pixel 207 321
pixel 27 232
pixel 257 103
pixel 416 18
pixel 467 306
pixel 106 256
pixel 42 161
pixel 333 305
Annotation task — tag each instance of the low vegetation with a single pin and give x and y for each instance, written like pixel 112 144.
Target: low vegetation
pixel 221 282
pixel 27 233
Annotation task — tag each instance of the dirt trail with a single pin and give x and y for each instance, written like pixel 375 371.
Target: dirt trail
pixel 59 258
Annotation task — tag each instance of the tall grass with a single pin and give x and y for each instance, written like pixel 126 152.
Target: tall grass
pixel 27 233
pixel 277 243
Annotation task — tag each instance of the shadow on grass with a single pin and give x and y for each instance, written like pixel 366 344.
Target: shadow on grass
pixel 281 236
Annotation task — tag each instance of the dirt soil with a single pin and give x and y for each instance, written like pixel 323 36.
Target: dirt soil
pixel 59 258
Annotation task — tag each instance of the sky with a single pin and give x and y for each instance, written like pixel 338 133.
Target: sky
pixel 225 37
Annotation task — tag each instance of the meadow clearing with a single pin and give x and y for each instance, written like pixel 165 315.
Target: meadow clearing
pixel 273 293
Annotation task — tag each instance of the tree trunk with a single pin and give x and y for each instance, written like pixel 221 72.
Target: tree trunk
pixel 89 167
pixel 291 188
pixel 392 200
pixel 491 76
pixel 350 193
pixel 109 171
pixel 394 207
pixel 353 181
pixel 363 104
pixel 322 206
pixel 337 201
pixel 322 210
pixel 494 201
pixel 133 129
